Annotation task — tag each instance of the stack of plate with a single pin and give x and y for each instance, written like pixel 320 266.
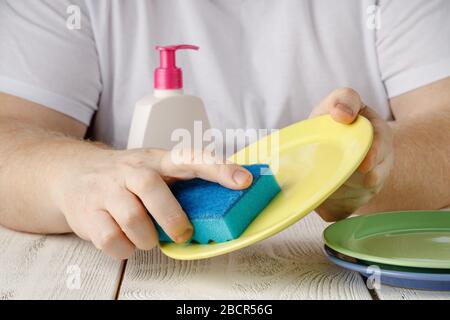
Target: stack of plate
pixel 407 249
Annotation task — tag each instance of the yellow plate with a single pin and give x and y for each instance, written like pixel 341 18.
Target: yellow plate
pixel 314 158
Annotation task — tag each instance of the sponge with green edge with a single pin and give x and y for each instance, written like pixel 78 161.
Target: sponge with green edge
pixel 219 214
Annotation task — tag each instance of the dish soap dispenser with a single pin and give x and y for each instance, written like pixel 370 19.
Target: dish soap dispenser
pixel 157 116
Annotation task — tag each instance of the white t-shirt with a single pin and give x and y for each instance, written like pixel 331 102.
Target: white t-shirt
pixel 262 63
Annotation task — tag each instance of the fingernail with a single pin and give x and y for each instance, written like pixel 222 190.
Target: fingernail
pixel 345 108
pixel 241 177
pixel 185 236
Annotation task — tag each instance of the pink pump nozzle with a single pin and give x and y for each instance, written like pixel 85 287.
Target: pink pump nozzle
pixel 168 75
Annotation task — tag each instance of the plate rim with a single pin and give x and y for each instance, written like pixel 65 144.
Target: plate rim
pixel 404 275
pixel 378 259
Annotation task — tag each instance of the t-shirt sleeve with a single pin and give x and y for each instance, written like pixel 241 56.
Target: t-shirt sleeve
pixel 47 59
pixel 413 43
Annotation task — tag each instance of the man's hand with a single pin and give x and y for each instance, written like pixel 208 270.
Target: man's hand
pixel 52 181
pixel 108 198
pixel 344 105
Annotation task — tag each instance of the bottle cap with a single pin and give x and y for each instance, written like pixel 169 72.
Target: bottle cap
pixel 168 75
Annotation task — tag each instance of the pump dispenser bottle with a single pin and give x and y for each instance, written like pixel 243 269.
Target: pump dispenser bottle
pixel 157 116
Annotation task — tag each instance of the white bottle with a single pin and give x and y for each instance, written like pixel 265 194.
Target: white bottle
pixel 157 116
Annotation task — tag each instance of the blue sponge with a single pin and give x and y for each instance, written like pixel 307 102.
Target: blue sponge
pixel 220 214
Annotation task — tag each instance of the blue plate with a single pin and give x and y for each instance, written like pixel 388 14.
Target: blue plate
pixel 396 278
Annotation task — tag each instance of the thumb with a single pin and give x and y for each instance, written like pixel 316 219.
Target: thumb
pixel 342 104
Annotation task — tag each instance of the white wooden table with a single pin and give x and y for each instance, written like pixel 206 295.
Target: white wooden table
pixel 290 265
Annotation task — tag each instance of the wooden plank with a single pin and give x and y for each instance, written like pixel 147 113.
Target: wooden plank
pixel 290 265
pixel 393 293
pixel 46 267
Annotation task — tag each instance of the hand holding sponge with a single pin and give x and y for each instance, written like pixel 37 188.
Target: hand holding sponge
pixel 220 214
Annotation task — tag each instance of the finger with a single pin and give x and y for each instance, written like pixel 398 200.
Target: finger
pixel 331 216
pixel 133 219
pixel 382 144
pixel 156 196
pixel 342 104
pixel 356 192
pixel 356 180
pixel 337 209
pixel 375 178
pixel 107 236
pixel 229 175
pixel 345 192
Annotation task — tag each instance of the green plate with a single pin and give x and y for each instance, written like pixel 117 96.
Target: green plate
pixel 418 239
